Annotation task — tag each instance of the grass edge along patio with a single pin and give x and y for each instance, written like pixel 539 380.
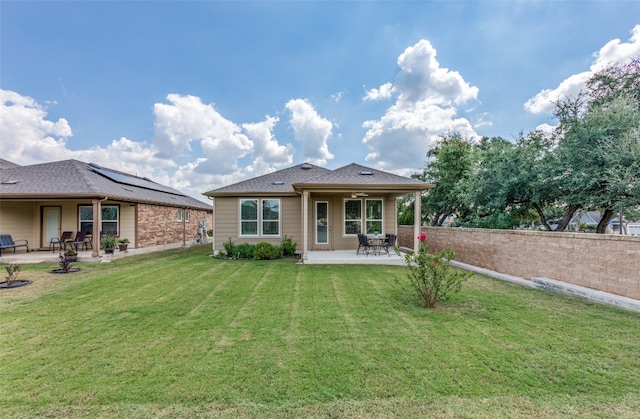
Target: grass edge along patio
pixel 180 334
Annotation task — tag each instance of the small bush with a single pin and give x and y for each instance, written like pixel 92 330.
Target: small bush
pixel 12 273
pixel 266 251
pixel 229 248
pixel 245 251
pixel 431 277
pixel 288 246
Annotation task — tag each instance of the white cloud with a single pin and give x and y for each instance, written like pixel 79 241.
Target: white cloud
pixel 187 119
pixel 337 96
pixel 423 111
pixel 422 79
pixel 401 138
pixel 266 147
pixel 612 52
pixel 27 136
pixel 384 92
pixel 311 130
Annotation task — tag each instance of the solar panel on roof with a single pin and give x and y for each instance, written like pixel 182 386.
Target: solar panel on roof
pixel 132 180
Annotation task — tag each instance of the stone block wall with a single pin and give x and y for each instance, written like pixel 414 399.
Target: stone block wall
pixel 604 262
pixel 159 225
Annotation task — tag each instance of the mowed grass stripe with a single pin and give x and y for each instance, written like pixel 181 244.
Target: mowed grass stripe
pixel 188 334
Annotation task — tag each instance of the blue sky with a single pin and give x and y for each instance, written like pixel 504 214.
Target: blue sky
pixel 200 94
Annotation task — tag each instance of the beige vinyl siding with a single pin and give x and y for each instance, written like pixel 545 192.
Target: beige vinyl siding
pixel 128 223
pixel 226 224
pixel 19 220
pixel 337 239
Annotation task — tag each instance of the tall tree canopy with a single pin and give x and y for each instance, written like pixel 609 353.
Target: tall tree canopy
pixel 591 162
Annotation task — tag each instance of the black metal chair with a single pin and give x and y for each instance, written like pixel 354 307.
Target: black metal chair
pixel 66 236
pixel 363 243
pixel 80 240
pixel 389 242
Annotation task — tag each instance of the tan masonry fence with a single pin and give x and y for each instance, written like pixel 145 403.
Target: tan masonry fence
pixel 604 262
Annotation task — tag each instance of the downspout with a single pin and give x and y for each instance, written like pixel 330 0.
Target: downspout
pixel 305 224
pixel 417 220
pixel 184 227
pixel 213 224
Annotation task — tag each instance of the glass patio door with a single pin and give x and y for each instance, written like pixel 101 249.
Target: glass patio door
pixel 322 222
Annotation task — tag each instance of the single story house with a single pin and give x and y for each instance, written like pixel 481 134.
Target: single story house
pixel 320 209
pixel 40 201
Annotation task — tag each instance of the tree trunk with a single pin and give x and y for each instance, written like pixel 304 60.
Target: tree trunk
pixel 566 218
pixel 543 219
pixel 604 221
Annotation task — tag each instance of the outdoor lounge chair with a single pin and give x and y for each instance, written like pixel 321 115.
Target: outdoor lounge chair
pixel 81 240
pixel 363 243
pixel 389 242
pixel 6 242
pixel 66 236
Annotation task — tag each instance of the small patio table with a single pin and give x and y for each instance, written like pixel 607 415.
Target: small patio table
pixel 376 243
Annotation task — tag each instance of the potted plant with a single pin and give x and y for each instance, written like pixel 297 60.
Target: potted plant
pixel 108 243
pixel 70 254
pixel 122 244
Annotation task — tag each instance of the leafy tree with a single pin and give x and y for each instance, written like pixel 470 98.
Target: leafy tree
pixel 599 142
pixel 449 165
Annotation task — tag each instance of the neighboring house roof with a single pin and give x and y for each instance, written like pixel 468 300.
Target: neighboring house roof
pixel 589 218
pixel 75 179
pixel 307 176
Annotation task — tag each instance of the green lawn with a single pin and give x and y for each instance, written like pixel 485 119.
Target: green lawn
pixel 179 334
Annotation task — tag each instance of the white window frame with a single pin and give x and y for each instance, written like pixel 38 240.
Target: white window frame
pixel 101 220
pixel 260 221
pixel 367 220
pixel 326 222
pixel 363 216
pixel 344 217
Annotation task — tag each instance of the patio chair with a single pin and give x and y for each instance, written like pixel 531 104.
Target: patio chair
pixel 363 243
pixel 389 242
pixel 81 240
pixel 6 242
pixel 66 235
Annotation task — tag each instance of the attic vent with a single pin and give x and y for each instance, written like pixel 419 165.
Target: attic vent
pixel 10 182
pixel 306 166
pixel 278 182
pixel 365 173
pixel 127 189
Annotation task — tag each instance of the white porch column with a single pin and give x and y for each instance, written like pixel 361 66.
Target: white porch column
pixel 95 232
pixel 305 224
pixel 417 211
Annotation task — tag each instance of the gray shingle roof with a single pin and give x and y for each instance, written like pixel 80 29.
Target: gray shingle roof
pixel 76 179
pixel 287 181
pixel 275 183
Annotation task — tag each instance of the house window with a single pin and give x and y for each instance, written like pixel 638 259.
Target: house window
pixel 373 213
pixel 259 217
pixel 109 217
pixel 352 216
pixel 186 215
pixel 355 217
pixel 270 217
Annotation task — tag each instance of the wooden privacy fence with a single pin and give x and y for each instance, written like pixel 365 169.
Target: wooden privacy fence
pixel 603 262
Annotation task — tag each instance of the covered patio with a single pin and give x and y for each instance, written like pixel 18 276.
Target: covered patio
pixel 349 257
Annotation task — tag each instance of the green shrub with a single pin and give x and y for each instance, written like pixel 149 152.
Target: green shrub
pixel 229 247
pixel 288 246
pixel 431 277
pixel 266 251
pixel 245 251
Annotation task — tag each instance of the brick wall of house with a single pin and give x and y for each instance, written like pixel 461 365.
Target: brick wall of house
pixel 159 225
pixel 603 262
